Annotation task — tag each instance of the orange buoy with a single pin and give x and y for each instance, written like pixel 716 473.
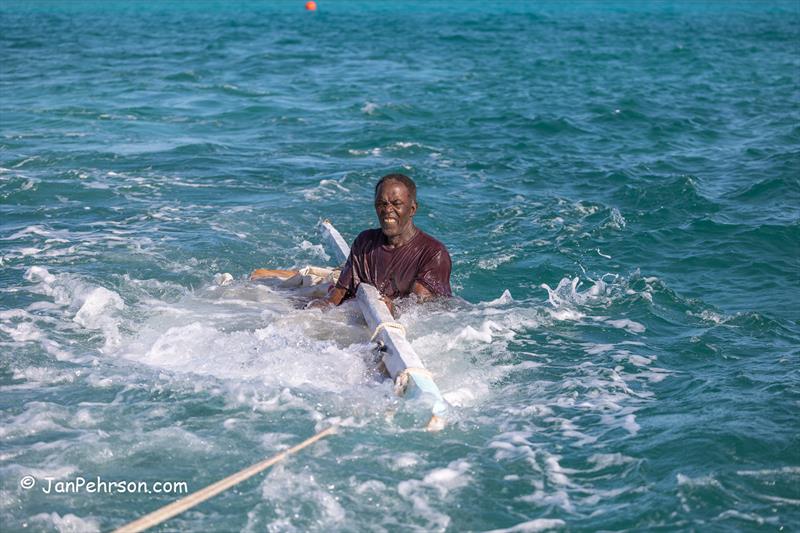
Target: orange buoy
pixel 311 5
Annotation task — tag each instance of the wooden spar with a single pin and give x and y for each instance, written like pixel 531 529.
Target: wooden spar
pixel 335 241
pixel 401 361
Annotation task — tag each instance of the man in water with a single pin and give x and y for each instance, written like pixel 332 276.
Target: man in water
pixel 398 259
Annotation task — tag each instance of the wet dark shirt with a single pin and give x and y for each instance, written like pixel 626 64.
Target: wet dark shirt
pixel 393 271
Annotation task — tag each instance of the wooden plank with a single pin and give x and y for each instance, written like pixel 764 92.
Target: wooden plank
pixel 335 241
pixel 402 362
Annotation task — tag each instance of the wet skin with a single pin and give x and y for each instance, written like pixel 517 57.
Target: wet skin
pixel 395 210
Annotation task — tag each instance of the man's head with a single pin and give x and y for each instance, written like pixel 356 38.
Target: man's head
pixel 395 204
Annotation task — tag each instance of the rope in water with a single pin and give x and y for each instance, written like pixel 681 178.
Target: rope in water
pixel 175 508
pixel 383 325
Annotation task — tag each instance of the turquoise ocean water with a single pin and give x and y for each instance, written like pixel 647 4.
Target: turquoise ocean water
pixel 619 187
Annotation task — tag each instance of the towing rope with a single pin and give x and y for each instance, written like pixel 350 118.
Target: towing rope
pixel 175 508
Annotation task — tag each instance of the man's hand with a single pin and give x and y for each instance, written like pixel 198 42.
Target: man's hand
pixel 423 294
pixel 335 297
pixel 389 303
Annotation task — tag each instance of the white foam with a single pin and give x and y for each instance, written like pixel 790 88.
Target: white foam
pixel 462 397
pixel 22 332
pixel 710 316
pixel 778 499
pixel 606 460
pixel 327 188
pixel 594 349
pixel 25 161
pixel 616 220
pixel 630 425
pixel 627 324
pixel 228 231
pixel 771 472
pixel 446 479
pixel 251 345
pixel 69 523
pixel 555 473
pixel 532 526
pixel 374 152
pixel 493 262
pixel 369 108
pixel 542 498
pixel 701 481
pixel 585 209
pixel 639 360
pixel 83 418
pixel 570 431
pixel 223 278
pixel 404 460
pixel 96 304
pixel 33 230
pixel 95 307
pixel 567 302
pixel 289 495
pixel 511 445
pixel 504 299
pixel 316 250
pixel 37 418
pixel 43 376
pixel 41 472
pixel 748 517
pixel 441 480
pixel 173 438
pixel 566 292
pixel 469 334
pixel 37 273
pixel 567 315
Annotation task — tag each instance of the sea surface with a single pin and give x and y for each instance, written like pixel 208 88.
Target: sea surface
pixel 618 184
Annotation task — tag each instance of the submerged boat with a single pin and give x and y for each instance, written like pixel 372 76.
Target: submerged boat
pixel 411 378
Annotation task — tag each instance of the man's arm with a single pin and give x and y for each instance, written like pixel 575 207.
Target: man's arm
pixel 334 298
pixel 433 279
pixel 418 290
pixel 422 293
pixel 337 293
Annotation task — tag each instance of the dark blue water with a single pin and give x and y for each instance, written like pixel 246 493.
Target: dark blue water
pixel 619 188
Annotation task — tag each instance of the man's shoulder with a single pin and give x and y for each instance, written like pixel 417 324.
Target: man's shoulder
pixel 369 234
pixel 367 239
pixel 431 242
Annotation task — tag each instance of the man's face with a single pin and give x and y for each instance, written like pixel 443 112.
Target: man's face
pixel 394 208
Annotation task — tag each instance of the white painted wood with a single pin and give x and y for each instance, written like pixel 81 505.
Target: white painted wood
pixel 335 241
pixel 399 353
